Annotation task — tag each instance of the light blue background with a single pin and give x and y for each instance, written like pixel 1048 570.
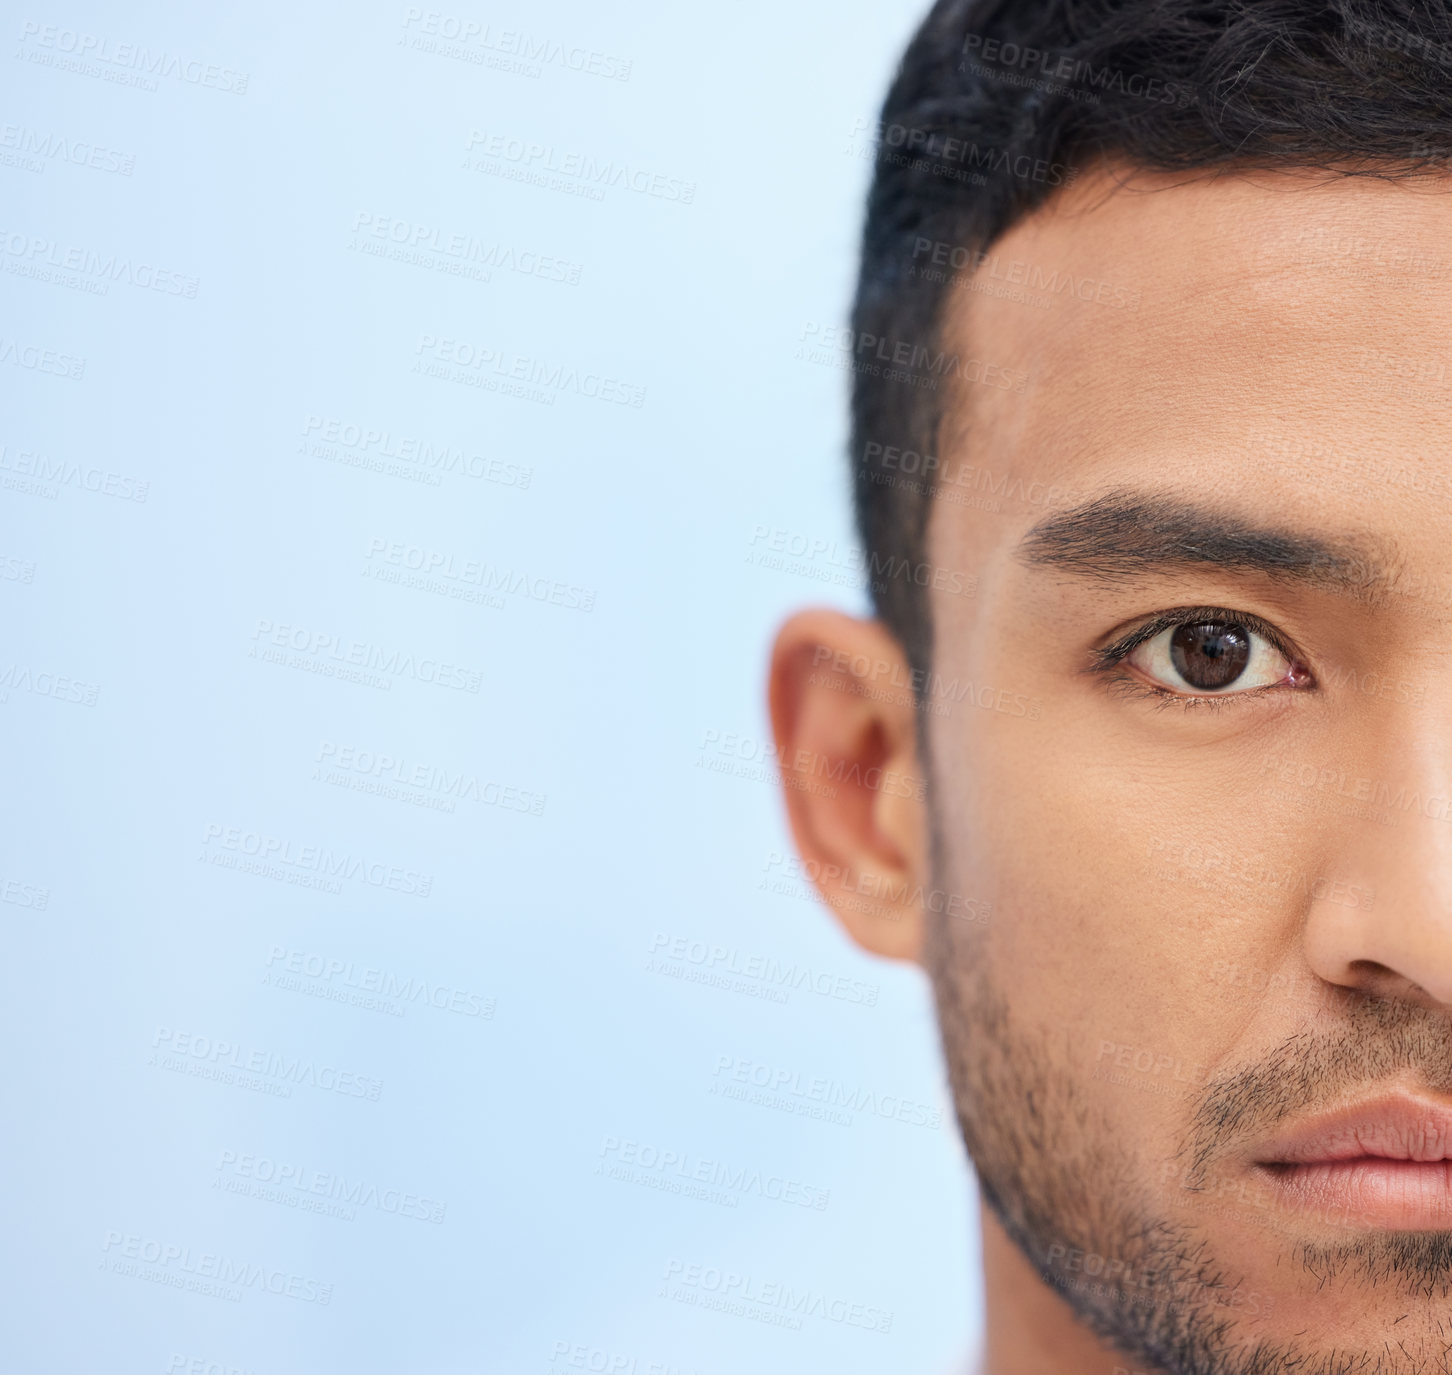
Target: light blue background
pixel 637 720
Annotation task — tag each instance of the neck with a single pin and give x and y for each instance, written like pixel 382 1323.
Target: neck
pixel 1030 1329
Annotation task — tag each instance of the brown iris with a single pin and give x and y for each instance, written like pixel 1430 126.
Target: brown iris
pixel 1211 654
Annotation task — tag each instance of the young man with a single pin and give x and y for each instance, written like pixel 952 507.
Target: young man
pixel 1147 754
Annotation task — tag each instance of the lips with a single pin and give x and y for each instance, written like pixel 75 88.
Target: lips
pixel 1385 1163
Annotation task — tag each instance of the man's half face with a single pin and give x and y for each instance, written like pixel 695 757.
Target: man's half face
pixel 1190 746
pixel 1218 856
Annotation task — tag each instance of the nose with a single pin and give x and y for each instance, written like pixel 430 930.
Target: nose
pixel 1395 939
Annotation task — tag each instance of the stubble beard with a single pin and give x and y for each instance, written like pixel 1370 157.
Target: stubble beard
pixel 1052 1169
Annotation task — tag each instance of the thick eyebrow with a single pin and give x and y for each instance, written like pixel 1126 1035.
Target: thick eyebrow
pixel 1125 534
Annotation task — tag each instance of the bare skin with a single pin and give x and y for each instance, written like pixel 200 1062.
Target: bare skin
pixel 1167 924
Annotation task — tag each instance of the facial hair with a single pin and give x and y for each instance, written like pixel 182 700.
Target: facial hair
pixel 1056 1174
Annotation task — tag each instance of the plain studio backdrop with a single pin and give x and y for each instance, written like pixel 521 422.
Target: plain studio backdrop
pixel 416 423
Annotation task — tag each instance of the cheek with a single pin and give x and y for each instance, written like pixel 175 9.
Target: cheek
pixel 1134 909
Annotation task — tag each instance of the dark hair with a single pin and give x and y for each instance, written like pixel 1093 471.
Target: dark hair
pixel 998 103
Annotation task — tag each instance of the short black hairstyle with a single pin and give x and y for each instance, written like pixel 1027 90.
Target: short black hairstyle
pixel 998 103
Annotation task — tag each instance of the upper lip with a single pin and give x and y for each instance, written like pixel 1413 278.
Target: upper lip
pixel 1395 1127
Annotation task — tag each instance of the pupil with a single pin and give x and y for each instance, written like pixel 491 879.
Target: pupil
pixel 1211 655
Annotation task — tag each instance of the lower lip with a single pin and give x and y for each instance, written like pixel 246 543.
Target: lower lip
pixel 1370 1191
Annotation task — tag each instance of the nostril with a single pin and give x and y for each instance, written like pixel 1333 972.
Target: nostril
pixel 1372 981
pixel 1371 969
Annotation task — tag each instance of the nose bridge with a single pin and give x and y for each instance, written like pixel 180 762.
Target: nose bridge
pixel 1395 841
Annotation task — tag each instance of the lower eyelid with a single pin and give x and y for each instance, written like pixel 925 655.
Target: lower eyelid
pixel 1163 696
pixel 1132 685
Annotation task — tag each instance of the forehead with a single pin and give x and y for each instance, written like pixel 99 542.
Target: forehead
pixel 1251 329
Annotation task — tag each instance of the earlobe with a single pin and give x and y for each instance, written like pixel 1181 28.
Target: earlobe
pixel 844 716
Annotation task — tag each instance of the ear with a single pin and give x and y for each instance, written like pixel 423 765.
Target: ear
pixel 844 716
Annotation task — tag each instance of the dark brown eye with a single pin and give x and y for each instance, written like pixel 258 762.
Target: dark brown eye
pixel 1207 658
pixel 1210 655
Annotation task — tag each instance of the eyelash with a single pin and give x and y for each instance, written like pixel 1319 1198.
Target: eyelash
pixel 1107 659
